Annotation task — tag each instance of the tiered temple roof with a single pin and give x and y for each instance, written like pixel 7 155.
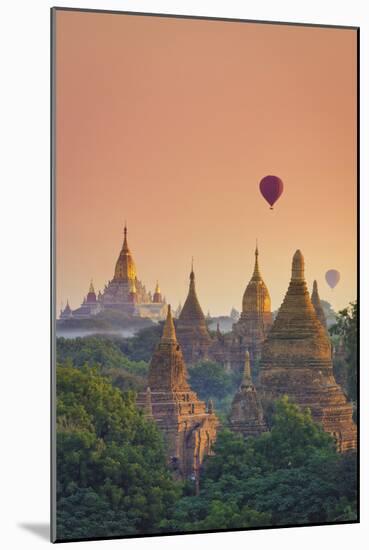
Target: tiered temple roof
pixel 189 428
pixel 296 361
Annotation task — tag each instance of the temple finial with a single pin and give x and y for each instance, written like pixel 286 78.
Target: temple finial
pixel 192 274
pixel 169 332
pixel 256 274
pixel 298 266
pixel 125 243
pixel 91 288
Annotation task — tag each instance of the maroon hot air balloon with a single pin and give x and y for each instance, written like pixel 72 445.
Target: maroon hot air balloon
pixel 271 187
pixel 332 277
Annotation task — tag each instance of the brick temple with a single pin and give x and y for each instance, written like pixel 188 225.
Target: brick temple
pixel 297 361
pixel 188 425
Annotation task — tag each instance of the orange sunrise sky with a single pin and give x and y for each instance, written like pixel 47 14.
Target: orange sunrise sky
pixel 171 123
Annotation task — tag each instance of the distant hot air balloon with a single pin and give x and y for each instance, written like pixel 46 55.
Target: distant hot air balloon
pixel 271 187
pixel 332 277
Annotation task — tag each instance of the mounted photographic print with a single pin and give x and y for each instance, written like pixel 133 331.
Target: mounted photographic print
pixel 204 217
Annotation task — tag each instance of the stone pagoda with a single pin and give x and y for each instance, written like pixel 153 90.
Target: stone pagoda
pixel 315 300
pixel 297 361
pixel 246 416
pixel 189 427
pixel 192 330
pixel 254 323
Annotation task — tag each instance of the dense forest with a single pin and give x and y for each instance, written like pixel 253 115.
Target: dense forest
pixel 111 467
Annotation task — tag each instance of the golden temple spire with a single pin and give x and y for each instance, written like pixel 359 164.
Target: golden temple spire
pixel 157 288
pixel 246 380
pixel 169 332
pixel 298 266
pixel 256 274
pixel 125 243
pixel 125 269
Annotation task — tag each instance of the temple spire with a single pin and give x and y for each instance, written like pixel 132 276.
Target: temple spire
pixel 169 332
pixel 125 242
pixel 256 274
pixel 315 300
pixel 125 269
pixel 246 380
pixel 192 276
pixel 298 266
pixel 191 308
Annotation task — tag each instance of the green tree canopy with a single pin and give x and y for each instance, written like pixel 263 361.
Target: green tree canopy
pixel 111 469
pixel 210 379
pixel 290 475
pixel 106 354
pixel 346 329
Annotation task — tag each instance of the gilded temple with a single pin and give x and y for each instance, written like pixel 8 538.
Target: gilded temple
pixel 255 320
pixel 188 425
pixel 124 293
pixel 297 361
